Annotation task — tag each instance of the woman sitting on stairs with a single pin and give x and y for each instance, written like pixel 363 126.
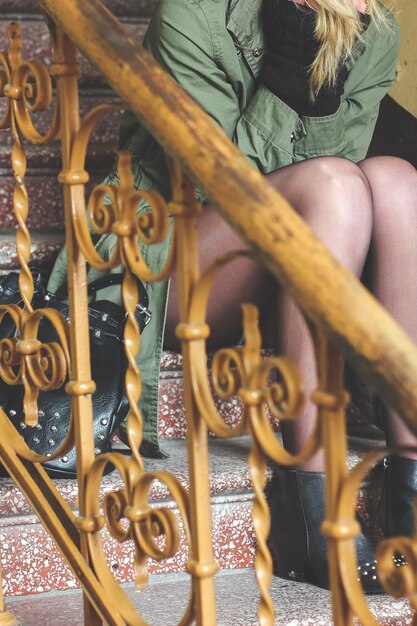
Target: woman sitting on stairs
pixel 297 85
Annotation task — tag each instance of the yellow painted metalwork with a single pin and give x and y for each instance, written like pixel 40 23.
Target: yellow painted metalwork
pixel 362 330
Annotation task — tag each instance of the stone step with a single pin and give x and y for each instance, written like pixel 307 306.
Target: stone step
pixel 47 159
pixel 121 8
pixel 46 208
pixel 105 133
pixel 171 411
pixel 164 602
pixel 44 248
pixel 37 44
pixel 32 563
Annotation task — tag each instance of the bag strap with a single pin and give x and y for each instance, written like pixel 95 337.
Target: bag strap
pixel 107 280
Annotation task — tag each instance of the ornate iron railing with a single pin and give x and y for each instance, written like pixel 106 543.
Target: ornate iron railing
pixel 363 331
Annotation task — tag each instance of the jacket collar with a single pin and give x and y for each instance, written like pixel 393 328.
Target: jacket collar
pixel 243 21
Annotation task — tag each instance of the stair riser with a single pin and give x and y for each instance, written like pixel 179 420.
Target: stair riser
pixel 42 252
pixel 171 411
pixel 121 8
pixel 32 564
pixel 46 210
pixel 105 133
pixel 37 45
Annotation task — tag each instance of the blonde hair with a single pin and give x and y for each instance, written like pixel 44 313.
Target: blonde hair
pixel 338 27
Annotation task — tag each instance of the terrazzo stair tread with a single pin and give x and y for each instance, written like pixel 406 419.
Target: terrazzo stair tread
pixel 164 602
pixel 45 198
pixel 41 568
pixel 120 8
pixel 43 250
pixel 104 133
pixel 47 160
pixel 37 45
pixel 171 410
pixel 31 563
pixel 229 473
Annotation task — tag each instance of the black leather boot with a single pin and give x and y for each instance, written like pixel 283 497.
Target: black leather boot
pixel 298 547
pixel 399 495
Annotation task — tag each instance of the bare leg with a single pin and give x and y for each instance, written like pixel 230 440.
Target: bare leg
pixel 333 196
pixel 242 280
pixel 392 264
pixel 334 199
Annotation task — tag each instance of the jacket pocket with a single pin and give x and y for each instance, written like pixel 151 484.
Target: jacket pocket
pixel 324 136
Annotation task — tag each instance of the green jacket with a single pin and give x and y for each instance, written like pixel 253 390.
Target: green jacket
pixel 214 49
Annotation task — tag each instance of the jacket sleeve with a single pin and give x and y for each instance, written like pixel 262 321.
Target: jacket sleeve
pixel 180 38
pixel 183 41
pixel 369 81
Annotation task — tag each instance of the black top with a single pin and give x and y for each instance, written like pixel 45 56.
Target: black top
pixel 291 48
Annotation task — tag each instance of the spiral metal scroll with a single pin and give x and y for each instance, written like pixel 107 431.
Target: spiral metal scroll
pixel 242 372
pixel 134 216
pixel 145 523
pixel 396 557
pixel 128 515
pixel 27 85
pixel 24 360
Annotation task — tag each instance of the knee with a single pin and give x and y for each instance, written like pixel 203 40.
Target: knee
pixel 393 184
pixel 390 175
pixel 344 196
pixel 333 196
pixel 342 177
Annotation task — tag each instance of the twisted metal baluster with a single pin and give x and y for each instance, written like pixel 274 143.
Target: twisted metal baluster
pixel 262 525
pixel 203 566
pixel 113 209
pixel 80 387
pixel 332 400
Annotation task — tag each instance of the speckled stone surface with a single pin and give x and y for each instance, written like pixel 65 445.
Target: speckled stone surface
pixel 122 8
pixel 24 541
pixel 32 564
pixel 228 475
pixel 164 602
pixel 46 205
pixel 107 132
pixel 171 411
pixel 37 45
pixel 45 199
pixel 44 248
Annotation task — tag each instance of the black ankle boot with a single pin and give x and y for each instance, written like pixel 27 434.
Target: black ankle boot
pixel 298 547
pixel 399 494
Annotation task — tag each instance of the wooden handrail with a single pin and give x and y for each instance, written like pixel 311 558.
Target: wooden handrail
pixel 325 291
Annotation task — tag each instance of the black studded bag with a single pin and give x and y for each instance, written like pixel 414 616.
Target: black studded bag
pixel 108 366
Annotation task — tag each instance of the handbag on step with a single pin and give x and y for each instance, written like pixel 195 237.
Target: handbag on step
pixel 108 366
